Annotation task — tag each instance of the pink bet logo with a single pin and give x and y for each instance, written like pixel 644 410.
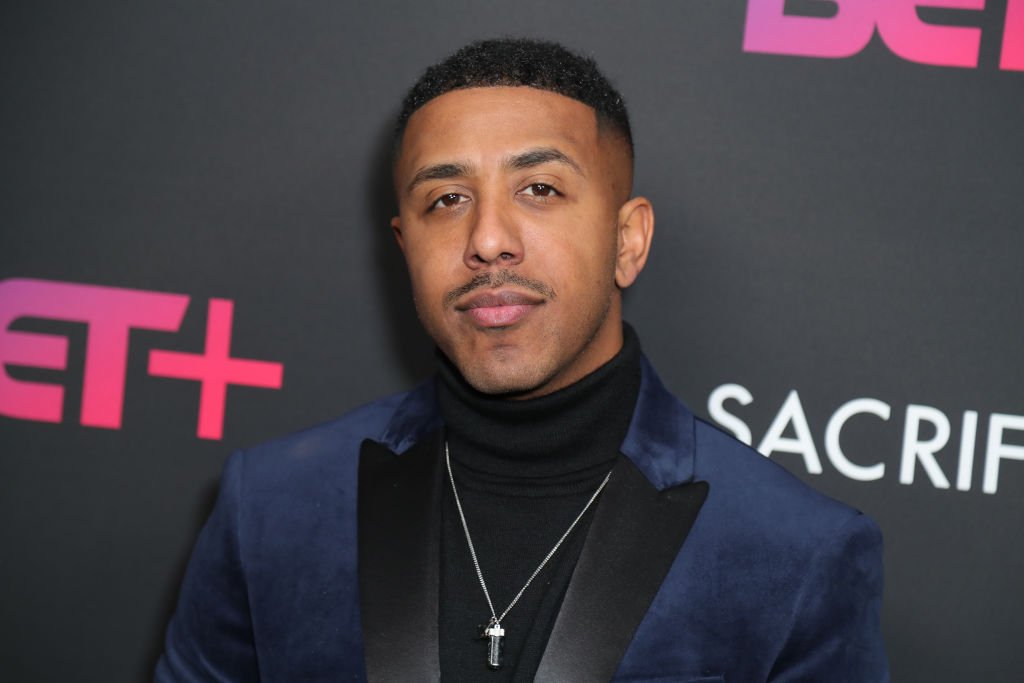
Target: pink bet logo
pixel 111 313
pixel 770 30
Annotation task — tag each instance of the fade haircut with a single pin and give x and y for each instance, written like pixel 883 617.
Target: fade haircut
pixel 520 62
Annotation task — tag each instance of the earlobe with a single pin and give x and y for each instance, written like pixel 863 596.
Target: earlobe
pixel 396 227
pixel 636 229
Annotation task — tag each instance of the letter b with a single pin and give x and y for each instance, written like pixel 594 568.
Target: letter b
pixel 769 29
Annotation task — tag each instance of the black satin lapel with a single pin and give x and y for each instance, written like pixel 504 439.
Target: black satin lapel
pixel 635 535
pixel 399 536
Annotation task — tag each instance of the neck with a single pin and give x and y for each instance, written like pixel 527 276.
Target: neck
pixel 574 430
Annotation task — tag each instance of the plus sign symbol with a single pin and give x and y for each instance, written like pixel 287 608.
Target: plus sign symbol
pixel 110 313
pixel 215 369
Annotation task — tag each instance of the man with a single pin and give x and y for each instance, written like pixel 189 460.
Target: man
pixel 543 509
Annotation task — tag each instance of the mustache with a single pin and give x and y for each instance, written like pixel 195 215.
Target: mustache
pixel 493 280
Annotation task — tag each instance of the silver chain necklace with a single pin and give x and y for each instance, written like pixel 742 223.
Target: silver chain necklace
pixel 493 631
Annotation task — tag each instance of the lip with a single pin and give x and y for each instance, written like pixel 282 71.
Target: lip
pixel 499 309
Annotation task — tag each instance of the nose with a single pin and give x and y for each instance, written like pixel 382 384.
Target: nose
pixel 494 237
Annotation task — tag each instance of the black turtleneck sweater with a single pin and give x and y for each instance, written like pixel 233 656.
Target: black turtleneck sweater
pixel 524 470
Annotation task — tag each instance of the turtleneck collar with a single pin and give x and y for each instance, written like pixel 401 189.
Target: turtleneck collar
pixel 575 430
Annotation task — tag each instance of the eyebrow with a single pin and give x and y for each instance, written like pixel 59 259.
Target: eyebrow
pixel 541 155
pixel 523 160
pixel 444 171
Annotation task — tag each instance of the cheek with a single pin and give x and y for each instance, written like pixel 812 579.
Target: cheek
pixel 430 281
pixel 422 258
pixel 423 282
pixel 589 256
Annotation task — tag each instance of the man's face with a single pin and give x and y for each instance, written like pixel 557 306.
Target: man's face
pixel 511 207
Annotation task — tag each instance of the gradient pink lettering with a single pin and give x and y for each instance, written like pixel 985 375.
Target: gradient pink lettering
pixel 1012 58
pixel 215 369
pixel 110 312
pixel 769 29
pixel 916 41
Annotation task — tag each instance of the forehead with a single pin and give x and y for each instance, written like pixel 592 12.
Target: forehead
pixel 486 124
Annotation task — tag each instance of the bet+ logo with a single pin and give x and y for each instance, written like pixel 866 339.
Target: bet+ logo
pixel 110 314
pixel 770 29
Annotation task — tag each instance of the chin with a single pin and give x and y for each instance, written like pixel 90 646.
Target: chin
pixel 504 380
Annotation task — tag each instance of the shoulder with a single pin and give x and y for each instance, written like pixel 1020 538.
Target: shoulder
pixel 798 574
pixel 290 491
pixel 807 569
pixel 313 456
pixel 771 537
pixel 756 493
pixel 366 421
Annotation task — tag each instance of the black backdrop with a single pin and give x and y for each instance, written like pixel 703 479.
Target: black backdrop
pixel 840 228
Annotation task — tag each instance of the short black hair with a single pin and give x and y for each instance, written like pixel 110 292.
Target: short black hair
pixel 526 62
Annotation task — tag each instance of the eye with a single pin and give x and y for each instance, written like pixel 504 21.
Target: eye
pixel 448 200
pixel 540 190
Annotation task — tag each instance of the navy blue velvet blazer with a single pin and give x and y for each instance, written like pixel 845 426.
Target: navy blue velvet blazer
pixel 704 562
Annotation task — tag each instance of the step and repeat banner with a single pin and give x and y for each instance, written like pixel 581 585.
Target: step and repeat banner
pixel 195 257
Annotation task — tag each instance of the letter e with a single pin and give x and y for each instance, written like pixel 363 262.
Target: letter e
pixel 914 40
pixel 20 298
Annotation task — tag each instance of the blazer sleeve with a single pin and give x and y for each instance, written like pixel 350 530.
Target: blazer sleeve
pixel 210 637
pixel 836 631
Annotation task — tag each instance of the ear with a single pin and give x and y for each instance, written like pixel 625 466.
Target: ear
pixel 636 228
pixel 396 227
